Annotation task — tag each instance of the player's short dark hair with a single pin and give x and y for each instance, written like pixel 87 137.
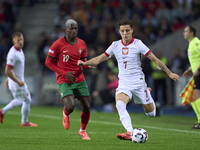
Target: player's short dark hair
pixel 124 22
pixel 192 29
pixel 18 34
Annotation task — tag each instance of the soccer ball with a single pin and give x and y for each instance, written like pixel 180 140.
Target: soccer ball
pixel 139 135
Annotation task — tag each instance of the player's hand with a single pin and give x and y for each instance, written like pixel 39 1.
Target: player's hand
pixel 6 83
pixel 70 77
pixel 20 83
pixel 186 73
pixel 80 63
pixel 174 77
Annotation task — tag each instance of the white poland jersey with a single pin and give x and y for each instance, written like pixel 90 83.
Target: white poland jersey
pixel 129 62
pixel 16 59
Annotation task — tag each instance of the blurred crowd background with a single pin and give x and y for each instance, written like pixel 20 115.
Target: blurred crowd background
pixel 152 20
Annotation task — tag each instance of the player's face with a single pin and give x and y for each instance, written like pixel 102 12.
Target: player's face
pixel 187 33
pixel 72 30
pixel 126 32
pixel 18 41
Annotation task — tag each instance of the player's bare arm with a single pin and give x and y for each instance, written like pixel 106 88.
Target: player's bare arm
pixel 8 72
pixel 94 61
pixel 153 58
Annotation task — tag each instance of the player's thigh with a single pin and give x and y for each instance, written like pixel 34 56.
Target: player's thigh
pixel 65 90
pixel 22 94
pixel 80 90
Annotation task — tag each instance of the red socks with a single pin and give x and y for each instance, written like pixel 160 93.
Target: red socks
pixel 65 112
pixel 84 120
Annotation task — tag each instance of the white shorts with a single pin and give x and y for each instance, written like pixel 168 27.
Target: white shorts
pixel 21 94
pixel 140 95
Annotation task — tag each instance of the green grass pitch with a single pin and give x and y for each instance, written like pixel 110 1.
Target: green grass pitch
pixel 165 132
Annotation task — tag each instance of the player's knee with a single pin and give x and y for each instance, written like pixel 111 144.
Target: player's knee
pixel 120 105
pixel 151 114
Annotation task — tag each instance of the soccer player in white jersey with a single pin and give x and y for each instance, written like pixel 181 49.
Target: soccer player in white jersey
pixel 15 81
pixel 131 78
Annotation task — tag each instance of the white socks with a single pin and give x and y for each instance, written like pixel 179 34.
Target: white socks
pixel 25 111
pixel 14 103
pixel 153 113
pixel 124 115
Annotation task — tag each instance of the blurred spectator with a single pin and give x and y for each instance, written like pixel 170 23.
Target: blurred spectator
pixel 60 19
pixel 163 12
pixel 164 26
pixel 177 63
pixel 3 52
pixel 176 25
pixel 159 77
pixel 43 41
pixel 176 12
pixel 108 93
pixel 57 33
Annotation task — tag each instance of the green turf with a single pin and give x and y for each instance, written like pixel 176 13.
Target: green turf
pixel 165 132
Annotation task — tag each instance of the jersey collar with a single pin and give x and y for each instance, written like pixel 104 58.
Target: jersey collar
pixel 69 42
pixel 128 43
pixel 17 49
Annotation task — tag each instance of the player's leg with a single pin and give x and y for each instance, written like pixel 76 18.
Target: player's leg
pixel 67 110
pixel 67 97
pixel 196 101
pixel 81 92
pixel 14 103
pixel 150 109
pixel 122 100
pixel 143 97
pixel 85 116
pixel 196 107
pixel 25 110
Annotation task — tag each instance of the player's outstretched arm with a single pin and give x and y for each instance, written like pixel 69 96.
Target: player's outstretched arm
pixel 94 61
pixel 172 75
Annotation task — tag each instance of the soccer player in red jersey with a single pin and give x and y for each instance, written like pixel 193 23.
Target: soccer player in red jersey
pixel 62 59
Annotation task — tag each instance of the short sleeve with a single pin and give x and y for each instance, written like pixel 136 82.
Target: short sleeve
pixel 53 50
pixel 11 59
pixel 143 48
pixel 110 50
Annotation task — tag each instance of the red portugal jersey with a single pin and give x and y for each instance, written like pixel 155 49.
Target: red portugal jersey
pixel 67 56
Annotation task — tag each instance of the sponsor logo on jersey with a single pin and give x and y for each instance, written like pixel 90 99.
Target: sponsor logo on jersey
pixel 124 51
pixel 124 57
pixel 147 100
pixel 50 51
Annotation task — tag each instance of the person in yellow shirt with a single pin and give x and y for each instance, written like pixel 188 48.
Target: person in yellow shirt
pixel 194 59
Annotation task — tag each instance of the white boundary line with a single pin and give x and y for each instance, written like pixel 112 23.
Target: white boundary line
pixel 102 122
